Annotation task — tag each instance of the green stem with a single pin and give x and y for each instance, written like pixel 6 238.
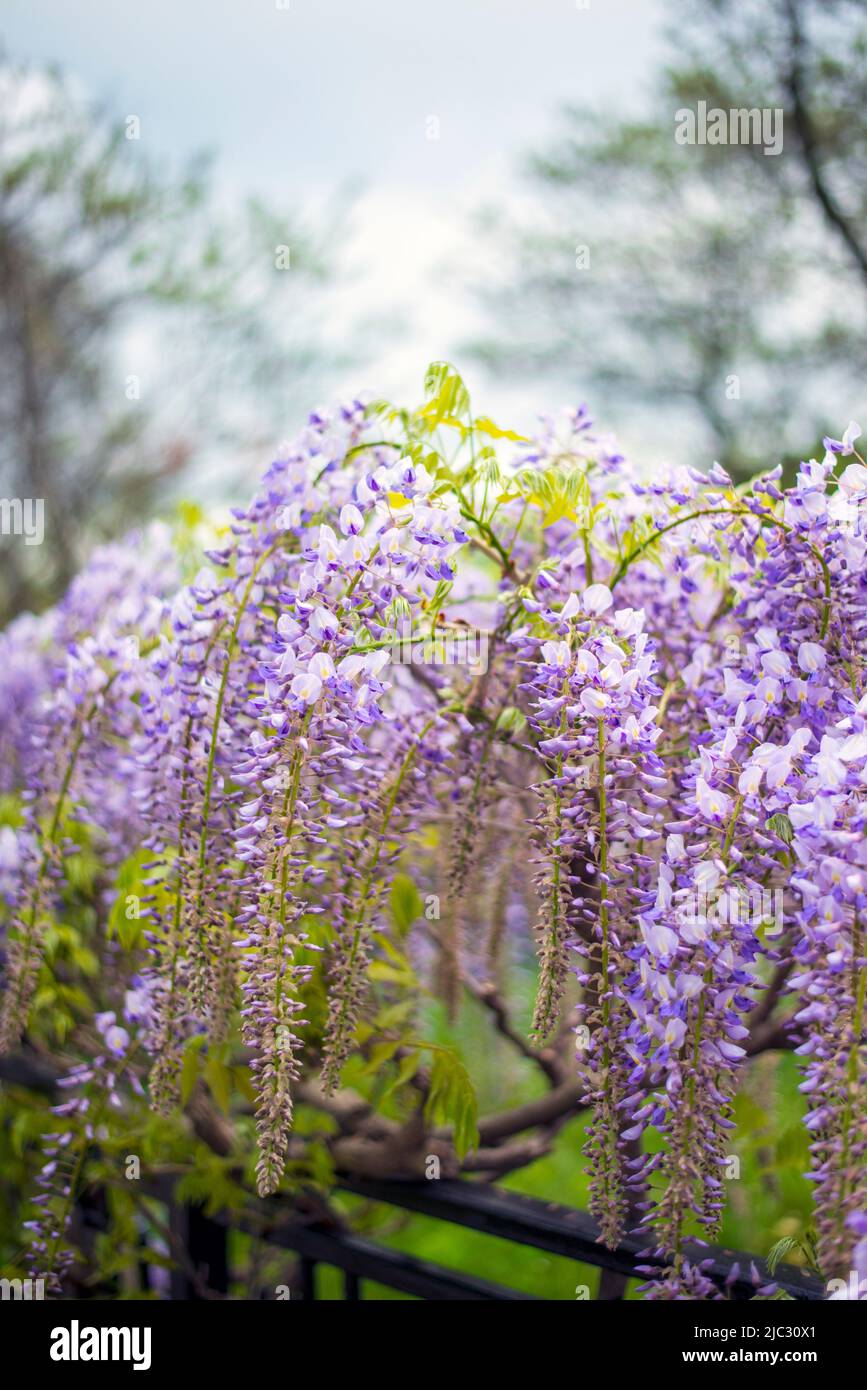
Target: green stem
pixel 729 511
pixel 517 530
pixel 543 1021
pixel 359 449
pixel 588 557
pixel 860 992
pixel 603 870
pixel 14 1004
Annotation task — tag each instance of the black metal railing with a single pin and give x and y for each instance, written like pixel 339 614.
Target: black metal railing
pixel 317 1236
pixel 481 1207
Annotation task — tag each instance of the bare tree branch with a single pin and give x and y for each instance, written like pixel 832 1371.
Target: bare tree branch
pixel 797 88
pixel 489 996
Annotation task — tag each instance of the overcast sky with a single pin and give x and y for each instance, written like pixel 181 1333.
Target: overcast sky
pixel 295 101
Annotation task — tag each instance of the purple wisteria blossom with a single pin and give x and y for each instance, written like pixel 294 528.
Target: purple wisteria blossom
pixel 657 771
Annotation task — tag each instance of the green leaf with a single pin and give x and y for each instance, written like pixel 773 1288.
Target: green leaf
pixel 123 922
pixel 780 1250
pixel 10 810
pixel 487 426
pixel 780 825
pixel 452 1099
pixel 242 1083
pixel 397 610
pixel 45 996
pixel 219 1079
pixel 381 1053
pixel 406 904
pixel 406 1070
pixel 401 975
pixel 447 396
pixel 191 1067
pixel 394 1015
pixel 85 960
pixel 792 1147
pixel 511 721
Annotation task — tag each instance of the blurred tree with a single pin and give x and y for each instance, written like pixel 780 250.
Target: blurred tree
pixel 140 330
pixel 724 287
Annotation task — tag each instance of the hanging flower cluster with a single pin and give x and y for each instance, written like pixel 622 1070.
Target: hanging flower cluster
pixel 405 653
pixel 594 708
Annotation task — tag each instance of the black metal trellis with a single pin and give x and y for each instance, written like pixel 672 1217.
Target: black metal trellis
pixel 483 1207
pixel 563 1231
